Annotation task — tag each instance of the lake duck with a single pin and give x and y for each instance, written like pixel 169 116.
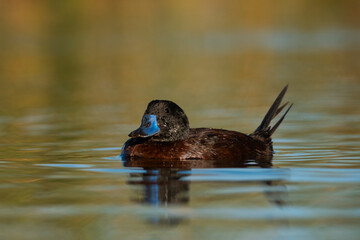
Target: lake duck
pixel 165 134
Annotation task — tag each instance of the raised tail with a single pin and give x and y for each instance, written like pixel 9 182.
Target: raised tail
pixel 264 129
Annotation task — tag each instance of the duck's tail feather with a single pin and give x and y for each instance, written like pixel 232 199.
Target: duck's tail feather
pixel 264 129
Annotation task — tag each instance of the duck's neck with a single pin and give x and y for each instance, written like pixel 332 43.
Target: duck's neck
pixel 172 135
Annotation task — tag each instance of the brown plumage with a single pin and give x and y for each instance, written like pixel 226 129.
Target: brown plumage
pixel 165 134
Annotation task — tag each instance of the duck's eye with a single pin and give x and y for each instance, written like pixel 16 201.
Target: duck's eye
pixel 166 110
pixel 164 122
pixel 147 125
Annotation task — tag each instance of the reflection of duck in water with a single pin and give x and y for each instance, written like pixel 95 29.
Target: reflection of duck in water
pixel 165 134
pixel 163 181
pixel 166 183
pixel 162 186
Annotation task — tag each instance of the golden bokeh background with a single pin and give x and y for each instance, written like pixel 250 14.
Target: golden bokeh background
pixel 66 53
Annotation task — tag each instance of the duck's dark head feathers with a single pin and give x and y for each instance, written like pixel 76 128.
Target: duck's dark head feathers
pixel 163 121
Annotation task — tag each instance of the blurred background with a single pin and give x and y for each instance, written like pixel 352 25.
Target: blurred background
pixel 79 53
pixel 75 79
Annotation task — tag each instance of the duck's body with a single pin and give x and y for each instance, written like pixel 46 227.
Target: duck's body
pixel 202 143
pixel 165 134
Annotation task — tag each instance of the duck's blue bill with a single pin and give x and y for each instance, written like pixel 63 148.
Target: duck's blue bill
pixel 148 127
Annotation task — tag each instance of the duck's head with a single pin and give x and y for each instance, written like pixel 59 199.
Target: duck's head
pixel 163 121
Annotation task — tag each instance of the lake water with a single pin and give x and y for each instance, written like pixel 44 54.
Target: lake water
pixel 75 81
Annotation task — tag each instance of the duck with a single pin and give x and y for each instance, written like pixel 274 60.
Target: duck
pixel 165 134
